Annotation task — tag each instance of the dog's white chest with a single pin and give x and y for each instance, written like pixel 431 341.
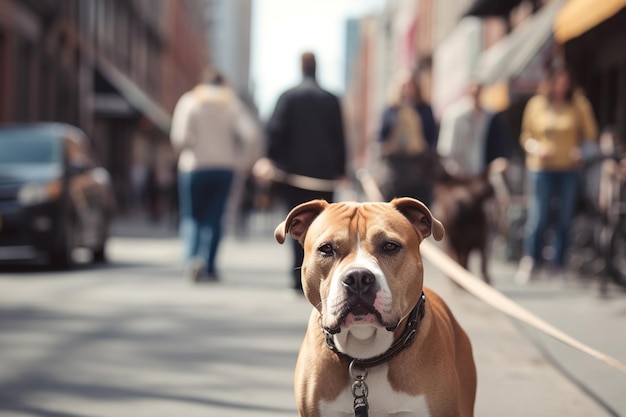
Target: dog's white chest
pixel 383 401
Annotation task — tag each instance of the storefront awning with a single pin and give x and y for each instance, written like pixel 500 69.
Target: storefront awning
pixel 578 16
pixel 135 96
pixel 482 8
pixel 512 54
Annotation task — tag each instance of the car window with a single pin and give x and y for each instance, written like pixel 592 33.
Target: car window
pixel 25 146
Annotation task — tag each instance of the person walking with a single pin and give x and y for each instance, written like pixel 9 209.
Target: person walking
pixel 558 125
pixel 214 136
pixel 472 137
pixel 306 142
pixel 474 146
pixel 407 140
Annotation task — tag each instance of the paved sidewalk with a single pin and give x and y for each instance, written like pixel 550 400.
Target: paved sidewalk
pixel 576 307
pixel 516 377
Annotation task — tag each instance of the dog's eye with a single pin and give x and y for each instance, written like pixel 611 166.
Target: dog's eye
pixel 326 249
pixel 390 247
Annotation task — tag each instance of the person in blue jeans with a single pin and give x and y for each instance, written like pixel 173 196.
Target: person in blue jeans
pixel 215 138
pixel 203 197
pixel 558 127
pixel 546 187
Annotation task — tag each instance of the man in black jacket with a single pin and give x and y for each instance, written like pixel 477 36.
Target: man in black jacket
pixel 306 141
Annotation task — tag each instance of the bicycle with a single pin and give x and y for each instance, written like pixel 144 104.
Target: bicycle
pixel 599 235
pixel 613 209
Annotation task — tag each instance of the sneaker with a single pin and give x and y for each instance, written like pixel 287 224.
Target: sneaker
pixel 525 270
pixel 559 274
pixel 194 270
pixel 207 277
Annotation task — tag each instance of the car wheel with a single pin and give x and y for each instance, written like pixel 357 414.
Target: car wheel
pixel 62 256
pixel 615 254
pixel 99 253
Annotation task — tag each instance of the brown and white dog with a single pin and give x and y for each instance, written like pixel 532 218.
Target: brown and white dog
pixel 363 273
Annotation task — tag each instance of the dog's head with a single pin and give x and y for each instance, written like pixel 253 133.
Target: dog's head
pixel 362 267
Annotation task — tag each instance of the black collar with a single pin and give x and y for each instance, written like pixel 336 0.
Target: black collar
pixel 415 317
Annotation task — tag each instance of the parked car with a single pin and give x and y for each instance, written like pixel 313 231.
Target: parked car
pixel 54 196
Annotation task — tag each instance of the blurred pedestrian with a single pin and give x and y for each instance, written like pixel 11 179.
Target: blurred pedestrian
pixel 172 196
pixel 474 142
pixel 213 133
pixel 407 140
pixel 558 126
pixel 153 190
pixel 474 146
pixel 139 181
pixel 612 146
pixel 306 142
pixel 473 137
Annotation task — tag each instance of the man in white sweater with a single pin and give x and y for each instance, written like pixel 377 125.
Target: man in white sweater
pixel 215 136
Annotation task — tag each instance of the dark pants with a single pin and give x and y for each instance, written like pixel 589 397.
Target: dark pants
pixel 292 196
pixel 550 193
pixel 203 196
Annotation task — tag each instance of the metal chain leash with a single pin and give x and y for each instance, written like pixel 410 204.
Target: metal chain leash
pixel 359 390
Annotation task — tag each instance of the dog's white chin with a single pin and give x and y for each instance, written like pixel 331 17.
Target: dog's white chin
pixel 363 341
pixel 363 333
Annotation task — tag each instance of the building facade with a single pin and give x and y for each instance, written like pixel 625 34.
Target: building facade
pixel 593 37
pixel 230 22
pixel 501 43
pixel 114 68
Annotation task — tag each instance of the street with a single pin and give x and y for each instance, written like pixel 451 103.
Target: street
pixel 129 108
pixel 133 338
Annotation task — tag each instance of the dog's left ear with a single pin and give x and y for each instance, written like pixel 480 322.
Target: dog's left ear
pixel 420 217
pixel 298 220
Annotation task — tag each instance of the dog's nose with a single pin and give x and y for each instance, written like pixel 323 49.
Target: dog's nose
pixel 359 281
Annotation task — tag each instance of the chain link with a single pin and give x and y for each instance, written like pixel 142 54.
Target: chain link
pixel 359 390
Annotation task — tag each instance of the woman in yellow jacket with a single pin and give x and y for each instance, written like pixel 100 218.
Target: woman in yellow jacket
pixel 558 125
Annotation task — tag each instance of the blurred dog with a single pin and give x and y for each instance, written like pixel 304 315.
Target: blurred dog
pixel 460 204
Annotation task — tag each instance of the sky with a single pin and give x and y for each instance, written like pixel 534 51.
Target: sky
pixel 283 29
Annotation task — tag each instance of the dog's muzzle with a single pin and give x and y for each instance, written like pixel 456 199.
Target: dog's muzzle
pixel 359 291
pixel 359 281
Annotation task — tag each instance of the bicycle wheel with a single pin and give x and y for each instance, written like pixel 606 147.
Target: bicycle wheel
pixel 584 254
pixel 617 255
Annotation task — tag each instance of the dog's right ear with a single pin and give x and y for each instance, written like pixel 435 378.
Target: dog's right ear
pixel 298 220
